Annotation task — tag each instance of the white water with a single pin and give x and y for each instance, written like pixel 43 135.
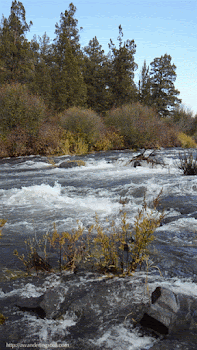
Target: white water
pixel 33 196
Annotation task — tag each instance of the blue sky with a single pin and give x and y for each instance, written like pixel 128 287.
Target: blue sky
pixel 157 26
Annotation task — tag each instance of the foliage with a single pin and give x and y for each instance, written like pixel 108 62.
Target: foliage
pixel 68 88
pixel 41 83
pixel 95 78
pixel 32 260
pixel 139 125
pixel 70 248
pixel 48 139
pixel 18 142
pixel 109 140
pixel 186 141
pixel 144 227
pixel 163 92
pixel 2 319
pixel 184 121
pixel 68 79
pixel 19 108
pixel 121 71
pixel 188 163
pixel 115 249
pixel 82 122
pixel 2 223
pixel 145 86
pixel 15 53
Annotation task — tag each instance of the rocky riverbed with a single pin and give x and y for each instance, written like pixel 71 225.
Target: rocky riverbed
pixel 87 310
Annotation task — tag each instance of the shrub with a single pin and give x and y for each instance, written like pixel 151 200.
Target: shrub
pixel 186 141
pixel 139 125
pixel 109 140
pixel 2 223
pixel 48 139
pixel 84 123
pixel 188 163
pixel 19 108
pixel 18 142
pixel 3 149
pixel 117 249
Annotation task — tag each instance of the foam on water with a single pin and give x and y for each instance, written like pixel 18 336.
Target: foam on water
pixel 46 196
pixel 120 337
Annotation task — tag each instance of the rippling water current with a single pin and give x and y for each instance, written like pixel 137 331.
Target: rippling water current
pixel 34 195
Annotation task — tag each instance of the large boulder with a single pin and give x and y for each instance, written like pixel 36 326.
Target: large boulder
pixel 170 312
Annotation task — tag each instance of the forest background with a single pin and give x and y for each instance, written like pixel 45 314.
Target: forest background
pixel 60 98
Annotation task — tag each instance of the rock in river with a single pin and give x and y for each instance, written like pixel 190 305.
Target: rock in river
pixel 170 313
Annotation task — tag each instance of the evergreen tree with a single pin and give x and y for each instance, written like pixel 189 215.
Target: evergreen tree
pixel 163 92
pixel 94 69
pixel 68 88
pixel 145 86
pixel 42 82
pixel 15 54
pixel 121 72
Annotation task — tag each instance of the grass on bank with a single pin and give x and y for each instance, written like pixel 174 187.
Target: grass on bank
pixel 116 249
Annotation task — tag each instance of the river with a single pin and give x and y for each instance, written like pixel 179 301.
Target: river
pixel 34 195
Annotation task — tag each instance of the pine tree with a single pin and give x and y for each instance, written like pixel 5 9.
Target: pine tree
pixel 145 86
pixel 68 88
pixel 15 54
pixel 94 68
pixel 42 82
pixel 121 77
pixel 163 92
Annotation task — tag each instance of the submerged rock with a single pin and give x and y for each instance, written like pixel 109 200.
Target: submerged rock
pixel 72 164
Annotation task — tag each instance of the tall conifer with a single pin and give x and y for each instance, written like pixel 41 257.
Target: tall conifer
pixel 163 92
pixel 68 88
pixel 94 69
pixel 121 78
pixel 15 54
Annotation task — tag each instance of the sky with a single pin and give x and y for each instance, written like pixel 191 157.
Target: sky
pixel 157 27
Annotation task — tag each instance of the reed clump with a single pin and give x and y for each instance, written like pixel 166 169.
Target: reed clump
pixel 33 260
pixel 115 249
pixel 2 319
pixel 2 223
pixel 188 163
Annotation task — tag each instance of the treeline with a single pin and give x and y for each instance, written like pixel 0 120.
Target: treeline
pixel 58 97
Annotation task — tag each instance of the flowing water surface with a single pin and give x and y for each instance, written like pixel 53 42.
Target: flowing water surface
pixel 34 195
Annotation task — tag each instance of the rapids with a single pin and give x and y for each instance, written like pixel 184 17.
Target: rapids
pixel 34 195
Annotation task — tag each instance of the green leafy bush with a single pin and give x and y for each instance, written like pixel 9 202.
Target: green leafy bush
pixel 83 122
pixel 19 108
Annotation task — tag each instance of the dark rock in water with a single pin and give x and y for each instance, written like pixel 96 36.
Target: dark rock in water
pixel 32 302
pixel 51 301
pixel 170 313
pixel 136 163
pixel 68 165
pixel 35 310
